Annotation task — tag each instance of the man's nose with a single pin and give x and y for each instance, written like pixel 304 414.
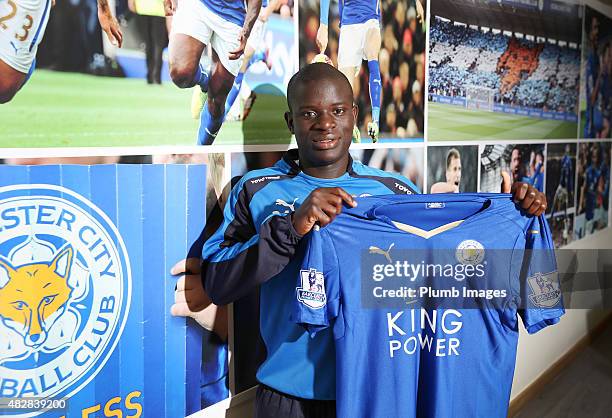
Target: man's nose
pixel 326 120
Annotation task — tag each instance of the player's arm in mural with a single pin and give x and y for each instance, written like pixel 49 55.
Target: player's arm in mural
pixel 22 26
pixel 323 31
pixel 109 23
pixel 420 11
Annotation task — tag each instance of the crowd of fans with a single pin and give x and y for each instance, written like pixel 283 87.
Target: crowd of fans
pixel 401 58
pixel 519 71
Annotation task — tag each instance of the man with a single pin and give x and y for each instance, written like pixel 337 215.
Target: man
pixel 562 193
pixel 453 174
pixel 226 26
pixel 359 39
pixel 22 27
pixel 536 167
pixel 593 114
pixel 255 247
pixel 592 186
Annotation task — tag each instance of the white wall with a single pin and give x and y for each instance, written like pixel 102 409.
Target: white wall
pixel 536 353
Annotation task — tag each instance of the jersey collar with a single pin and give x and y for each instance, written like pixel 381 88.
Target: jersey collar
pixel 370 208
pixel 291 160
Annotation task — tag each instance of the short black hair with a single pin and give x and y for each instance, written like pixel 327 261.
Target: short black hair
pixel 315 72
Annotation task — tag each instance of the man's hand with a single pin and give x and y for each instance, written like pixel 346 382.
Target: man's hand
pixel 191 300
pixel 170 7
pixel 420 12
pixel 109 24
pixel 320 207
pixel 242 40
pixel 322 38
pixel 529 198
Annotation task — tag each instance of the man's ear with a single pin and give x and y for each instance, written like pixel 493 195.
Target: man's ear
pixel 289 121
pixel 355 112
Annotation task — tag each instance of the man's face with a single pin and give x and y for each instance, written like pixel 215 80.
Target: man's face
pixel 515 164
pixel 539 159
pixel 322 119
pixel 453 172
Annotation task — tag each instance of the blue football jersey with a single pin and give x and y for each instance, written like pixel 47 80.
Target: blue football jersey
pixel 231 10
pixel 358 11
pixel 592 69
pixel 252 243
pixel 427 361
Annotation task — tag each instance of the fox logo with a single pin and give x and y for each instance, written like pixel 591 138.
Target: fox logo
pixel 35 296
pixel 65 289
pixel 387 254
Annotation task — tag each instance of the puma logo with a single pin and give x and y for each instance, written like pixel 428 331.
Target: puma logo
pixel 376 250
pixel 291 205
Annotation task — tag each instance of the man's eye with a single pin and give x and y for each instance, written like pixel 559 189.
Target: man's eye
pixel 339 111
pixel 309 114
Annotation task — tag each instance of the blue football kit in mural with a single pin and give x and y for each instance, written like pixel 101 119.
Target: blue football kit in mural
pixel 427 361
pixel 566 179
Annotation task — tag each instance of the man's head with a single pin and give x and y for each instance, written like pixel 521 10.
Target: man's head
pixel 539 158
pixel 516 164
pixel 321 115
pixel 453 167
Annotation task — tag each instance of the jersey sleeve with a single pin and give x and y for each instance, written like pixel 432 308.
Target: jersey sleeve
pixel 317 292
pixel 239 255
pixel 541 296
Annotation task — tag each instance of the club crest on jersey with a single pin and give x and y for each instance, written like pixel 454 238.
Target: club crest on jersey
pixel 65 290
pixel 312 291
pixel 470 252
pixel 545 287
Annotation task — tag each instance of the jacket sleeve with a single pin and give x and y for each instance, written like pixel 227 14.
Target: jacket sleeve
pixel 241 255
